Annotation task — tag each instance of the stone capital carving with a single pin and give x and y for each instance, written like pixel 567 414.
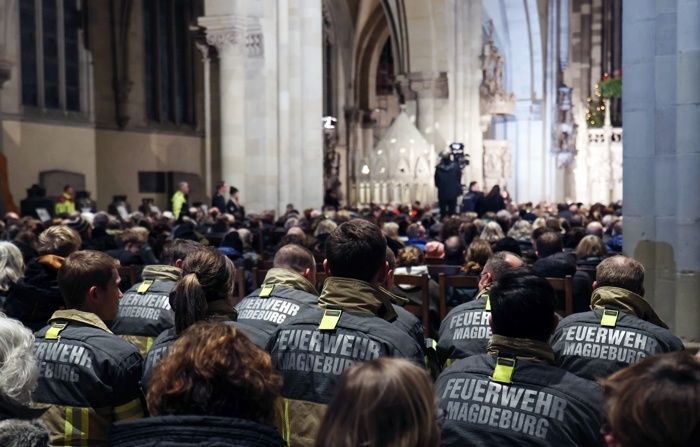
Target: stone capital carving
pixel 565 129
pixel 494 98
pixel 234 35
pixel 428 86
pixel 498 163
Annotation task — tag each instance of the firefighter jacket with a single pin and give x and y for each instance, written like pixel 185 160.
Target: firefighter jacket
pixel 620 330
pixel 312 349
pixel 194 431
pixel 144 310
pixel 217 311
pixel 65 204
pixel 465 330
pixel 284 294
pixel 88 376
pixel 513 395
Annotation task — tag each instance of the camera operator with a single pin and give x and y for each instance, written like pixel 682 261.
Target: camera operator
pixel 448 179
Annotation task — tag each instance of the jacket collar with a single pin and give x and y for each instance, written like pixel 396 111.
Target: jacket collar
pixel 290 279
pixel 162 272
pixel 625 301
pixel 53 261
pixel 221 310
pixel 357 296
pixel 522 348
pixel 78 316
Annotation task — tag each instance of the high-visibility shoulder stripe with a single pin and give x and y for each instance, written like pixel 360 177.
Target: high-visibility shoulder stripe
pixel 68 430
pixel 287 428
pixel 77 426
pixel 85 416
pixel 149 343
pixel 128 411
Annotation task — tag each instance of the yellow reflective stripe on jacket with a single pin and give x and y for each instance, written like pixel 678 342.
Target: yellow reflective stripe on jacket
pixel 77 425
pixel 149 343
pixel 287 428
pixel 128 411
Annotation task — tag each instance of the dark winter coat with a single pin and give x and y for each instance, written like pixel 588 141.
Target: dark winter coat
pixel 448 181
pixel 194 431
pixel 36 296
pixel 19 426
pixel 490 203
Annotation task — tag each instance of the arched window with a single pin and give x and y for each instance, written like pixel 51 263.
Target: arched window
pixel 385 70
pixel 169 60
pixel 50 60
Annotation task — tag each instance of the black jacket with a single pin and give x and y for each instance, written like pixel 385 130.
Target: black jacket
pixel 465 331
pixel 542 406
pixel 490 203
pixel 587 348
pixel 36 297
pixel 448 181
pixel 144 310
pixel 470 200
pixel 194 431
pixel 88 375
pixel 218 201
pixel 284 294
pixel 312 357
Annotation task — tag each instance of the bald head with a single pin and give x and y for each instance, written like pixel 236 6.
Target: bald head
pixel 296 230
pixel 622 272
pixel 455 247
pixel 595 228
pixel 297 259
pixel 498 264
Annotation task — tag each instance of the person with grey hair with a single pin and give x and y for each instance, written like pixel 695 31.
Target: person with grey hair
pixel 11 268
pixel 620 329
pixel 180 201
pixel 18 377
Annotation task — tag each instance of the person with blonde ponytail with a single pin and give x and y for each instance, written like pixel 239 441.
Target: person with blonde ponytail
pixel 204 293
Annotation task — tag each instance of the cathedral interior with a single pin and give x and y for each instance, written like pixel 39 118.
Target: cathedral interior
pixel 286 99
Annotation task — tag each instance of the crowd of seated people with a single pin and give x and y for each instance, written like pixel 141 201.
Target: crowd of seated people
pixel 179 358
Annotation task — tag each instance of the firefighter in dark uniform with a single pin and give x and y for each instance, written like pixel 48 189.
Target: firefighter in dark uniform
pixel 514 395
pixel 353 324
pixel 88 376
pixel 144 311
pixel 204 293
pixel 465 330
pixel 621 329
pixel 288 289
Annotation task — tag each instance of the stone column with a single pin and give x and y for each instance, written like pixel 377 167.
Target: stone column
pixel 687 168
pixel 206 51
pixel 424 87
pixel 661 110
pixel 463 124
pixel 228 35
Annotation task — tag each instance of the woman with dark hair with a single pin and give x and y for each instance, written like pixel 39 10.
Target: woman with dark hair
pixel 215 388
pixel 493 202
pixel 655 402
pixel 397 402
pixel 203 293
